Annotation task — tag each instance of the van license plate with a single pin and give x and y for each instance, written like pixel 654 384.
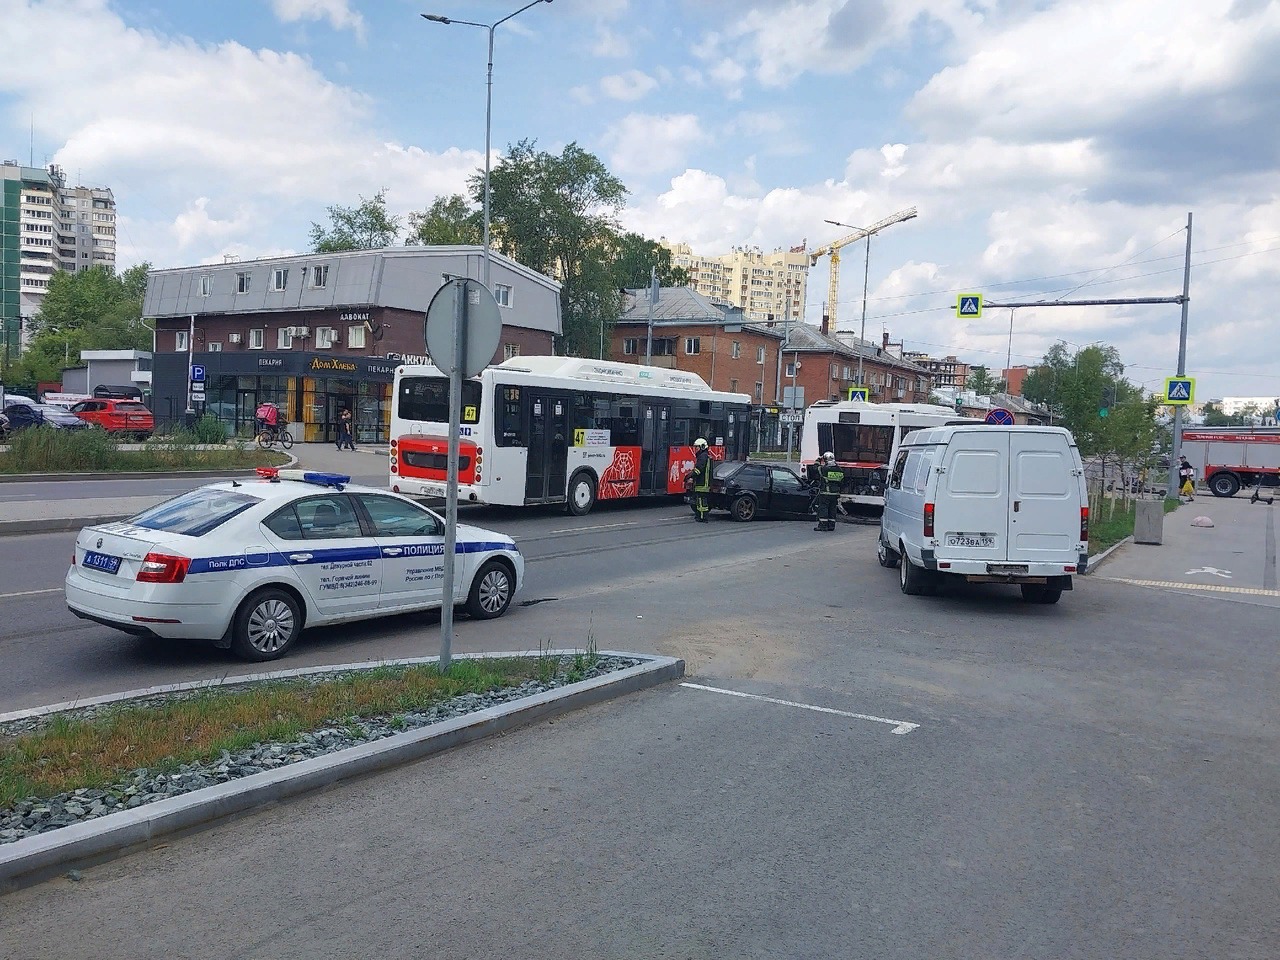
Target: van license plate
pixel 960 540
pixel 101 561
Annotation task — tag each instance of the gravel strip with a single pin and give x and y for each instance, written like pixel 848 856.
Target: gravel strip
pixel 34 815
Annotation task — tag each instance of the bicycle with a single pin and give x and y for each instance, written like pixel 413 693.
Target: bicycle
pixel 272 435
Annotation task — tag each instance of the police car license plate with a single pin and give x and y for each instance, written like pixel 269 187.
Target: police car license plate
pixel 967 540
pixel 100 561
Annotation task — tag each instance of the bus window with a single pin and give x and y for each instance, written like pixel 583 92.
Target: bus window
pixel 679 432
pixel 427 399
pixel 863 443
pixel 626 423
pixel 510 430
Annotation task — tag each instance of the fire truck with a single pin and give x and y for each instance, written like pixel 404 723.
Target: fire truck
pixel 1229 458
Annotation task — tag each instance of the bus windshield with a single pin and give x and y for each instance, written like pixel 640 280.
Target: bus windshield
pixel 857 443
pixel 427 399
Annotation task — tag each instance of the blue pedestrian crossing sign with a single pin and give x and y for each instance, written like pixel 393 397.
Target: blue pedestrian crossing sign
pixel 861 394
pixel 1180 391
pixel 969 305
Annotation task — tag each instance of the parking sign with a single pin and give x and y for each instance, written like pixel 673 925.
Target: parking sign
pixel 197 373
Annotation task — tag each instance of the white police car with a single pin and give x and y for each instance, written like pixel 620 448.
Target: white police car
pixel 248 564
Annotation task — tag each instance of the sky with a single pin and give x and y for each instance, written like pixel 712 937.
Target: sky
pixel 1052 148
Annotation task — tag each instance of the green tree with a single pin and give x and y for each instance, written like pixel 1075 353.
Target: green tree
pixel 633 257
pixel 982 382
pixel 367 226
pixel 558 214
pixel 1214 417
pixel 448 221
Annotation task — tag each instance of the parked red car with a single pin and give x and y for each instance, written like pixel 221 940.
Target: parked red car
pixel 117 416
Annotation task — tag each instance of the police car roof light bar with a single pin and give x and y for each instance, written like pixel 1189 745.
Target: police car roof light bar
pixel 319 478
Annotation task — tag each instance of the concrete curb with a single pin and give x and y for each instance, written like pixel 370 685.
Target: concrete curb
pixel 35 859
pixel 134 474
pixel 1096 562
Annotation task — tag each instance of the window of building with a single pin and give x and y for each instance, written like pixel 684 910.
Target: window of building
pixel 319 276
pixel 664 347
pixel 284 338
pixel 759 391
pixel 835 371
pixel 255 338
pixel 692 345
pixel 791 369
pixel 355 336
pixel 279 278
pixel 206 285
pixel 242 282
pixel 215 346
pixel 759 354
pixel 510 350
pixel 502 293
pixel 326 337
pixel 737 350
pixel 733 386
pixel 630 347
pixel 181 341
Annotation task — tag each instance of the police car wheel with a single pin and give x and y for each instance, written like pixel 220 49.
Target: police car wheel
pixel 582 494
pixel 266 625
pixel 491 591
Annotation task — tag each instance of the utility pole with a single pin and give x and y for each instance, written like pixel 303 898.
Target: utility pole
pixel 653 298
pixel 1182 368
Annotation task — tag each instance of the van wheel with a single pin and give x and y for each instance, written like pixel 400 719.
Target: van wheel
pixel 1041 593
pixel 582 494
pixel 744 508
pixel 1224 485
pixel 888 558
pixel 914 580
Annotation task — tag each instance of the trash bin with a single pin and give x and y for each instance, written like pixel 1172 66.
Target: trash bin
pixel 1148 522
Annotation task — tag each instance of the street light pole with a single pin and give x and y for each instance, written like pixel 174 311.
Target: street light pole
pixel 488 116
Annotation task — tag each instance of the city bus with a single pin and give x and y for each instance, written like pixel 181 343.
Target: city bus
pixel 865 439
pixel 552 430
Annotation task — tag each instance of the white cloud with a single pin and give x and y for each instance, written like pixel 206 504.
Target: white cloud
pixel 196 225
pixel 337 12
pixel 632 85
pixel 645 143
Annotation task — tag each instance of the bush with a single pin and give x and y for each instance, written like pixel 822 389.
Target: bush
pixel 209 429
pixel 49 450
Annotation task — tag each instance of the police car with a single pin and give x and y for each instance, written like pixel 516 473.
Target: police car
pixel 249 564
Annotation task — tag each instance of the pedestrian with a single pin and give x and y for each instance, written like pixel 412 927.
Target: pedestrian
pixel 701 479
pixel 268 417
pixel 830 478
pixel 344 430
pixel 1187 474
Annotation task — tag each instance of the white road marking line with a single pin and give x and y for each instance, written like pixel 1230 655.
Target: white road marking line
pixel 29 593
pixel 900 727
pixel 1210 587
pixel 599 526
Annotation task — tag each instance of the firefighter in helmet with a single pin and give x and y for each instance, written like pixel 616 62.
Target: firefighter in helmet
pixel 830 479
pixel 701 479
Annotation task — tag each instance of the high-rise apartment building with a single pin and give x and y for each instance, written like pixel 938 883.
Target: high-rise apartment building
pixel 758 283
pixel 46 226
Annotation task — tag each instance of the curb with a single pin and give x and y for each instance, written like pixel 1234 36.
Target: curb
pixel 132 474
pixel 35 859
pixel 1096 562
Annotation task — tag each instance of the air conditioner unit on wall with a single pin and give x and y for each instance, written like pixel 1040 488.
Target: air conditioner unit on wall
pixel 233 338
pixel 301 332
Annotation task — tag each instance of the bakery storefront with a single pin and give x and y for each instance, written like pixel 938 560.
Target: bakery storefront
pixel 311 388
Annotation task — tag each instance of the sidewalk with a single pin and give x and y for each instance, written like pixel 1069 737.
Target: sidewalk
pixel 1235 557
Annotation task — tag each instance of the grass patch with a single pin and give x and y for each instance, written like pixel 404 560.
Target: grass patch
pixel 45 450
pixel 1112 521
pixel 69 753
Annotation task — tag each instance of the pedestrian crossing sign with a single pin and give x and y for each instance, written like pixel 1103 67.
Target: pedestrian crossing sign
pixel 969 305
pixel 1180 391
pixel 861 394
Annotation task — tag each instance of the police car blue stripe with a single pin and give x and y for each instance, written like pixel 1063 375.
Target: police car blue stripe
pixel 337 555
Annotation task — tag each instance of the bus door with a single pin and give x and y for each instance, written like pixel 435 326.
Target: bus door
pixel 655 447
pixel 548 445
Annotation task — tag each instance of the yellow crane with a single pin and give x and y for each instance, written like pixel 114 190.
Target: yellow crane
pixel 833 250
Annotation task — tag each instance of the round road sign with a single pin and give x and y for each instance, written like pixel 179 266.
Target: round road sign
pixel 481 326
pixel 1000 416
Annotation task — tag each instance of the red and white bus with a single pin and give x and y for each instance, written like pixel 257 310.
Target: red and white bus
pixel 1228 458
pixel 560 430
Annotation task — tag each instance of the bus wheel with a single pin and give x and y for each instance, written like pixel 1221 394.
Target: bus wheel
pixel 582 494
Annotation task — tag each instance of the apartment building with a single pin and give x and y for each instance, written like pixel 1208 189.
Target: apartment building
pixel 762 285
pixel 943 371
pixel 46 226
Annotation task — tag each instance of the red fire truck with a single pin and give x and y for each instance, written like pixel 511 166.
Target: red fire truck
pixel 1229 458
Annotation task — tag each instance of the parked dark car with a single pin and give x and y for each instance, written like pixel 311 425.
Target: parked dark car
pixel 748 490
pixel 23 415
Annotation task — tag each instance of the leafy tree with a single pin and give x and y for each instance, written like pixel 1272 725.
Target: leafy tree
pixel 448 221
pixel 559 215
pixel 367 226
pixel 982 383
pixel 1215 417
pixel 633 257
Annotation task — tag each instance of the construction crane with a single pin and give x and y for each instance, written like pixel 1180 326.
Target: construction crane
pixel 833 250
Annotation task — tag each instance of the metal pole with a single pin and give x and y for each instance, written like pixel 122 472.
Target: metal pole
pixel 488 119
pixel 1008 357
pixel 191 343
pixel 1182 368
pixel 653 295
pixel 862 335
pixel 451 491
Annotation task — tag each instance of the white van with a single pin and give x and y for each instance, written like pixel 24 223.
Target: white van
pixel 989 504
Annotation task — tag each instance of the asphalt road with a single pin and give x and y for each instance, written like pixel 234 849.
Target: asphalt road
pixel 1097 779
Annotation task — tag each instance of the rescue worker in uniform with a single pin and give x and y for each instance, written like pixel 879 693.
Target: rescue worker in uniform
pixel 830 479
pixel 701 479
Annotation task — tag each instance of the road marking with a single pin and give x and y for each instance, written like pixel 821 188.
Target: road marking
pixel 1224 574
pixel 900 727
pixel 1212 587
pixel 599 526
pixel 29 593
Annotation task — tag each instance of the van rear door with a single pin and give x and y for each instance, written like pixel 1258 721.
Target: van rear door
pixel 1044 518
pixel 971 518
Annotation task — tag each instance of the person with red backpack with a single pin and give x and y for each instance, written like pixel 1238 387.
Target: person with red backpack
pixel 268 417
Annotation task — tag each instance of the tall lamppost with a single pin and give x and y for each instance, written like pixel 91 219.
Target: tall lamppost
pixel 866 270
pixel 488 112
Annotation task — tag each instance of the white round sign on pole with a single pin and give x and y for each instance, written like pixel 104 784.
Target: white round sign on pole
pixel 481 326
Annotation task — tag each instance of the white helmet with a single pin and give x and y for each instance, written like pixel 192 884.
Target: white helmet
pixel 700 443
pixel 829 457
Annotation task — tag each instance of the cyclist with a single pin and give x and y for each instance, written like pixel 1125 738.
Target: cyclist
pixel 268 415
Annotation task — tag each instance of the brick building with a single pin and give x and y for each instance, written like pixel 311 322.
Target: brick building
pixel 943 371
pixel 829 367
